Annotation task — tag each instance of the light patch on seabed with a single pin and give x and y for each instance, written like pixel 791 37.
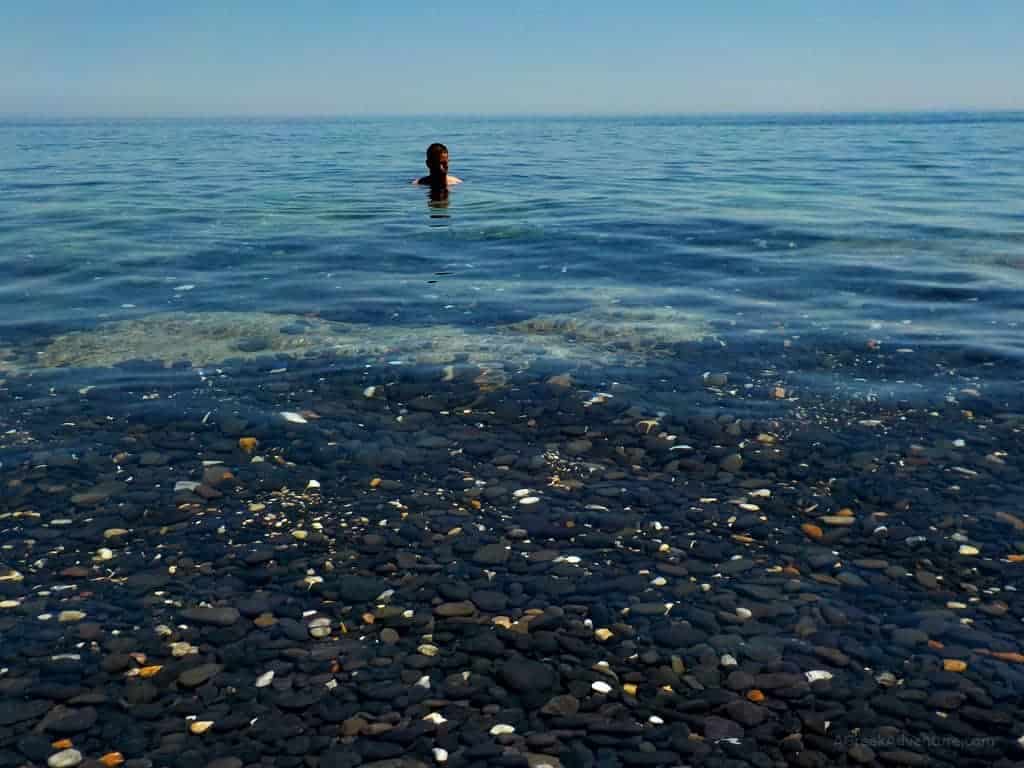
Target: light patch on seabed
pixel 592 336
pixel 626 328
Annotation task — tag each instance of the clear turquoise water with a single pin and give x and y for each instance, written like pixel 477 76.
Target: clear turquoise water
pixel 833 232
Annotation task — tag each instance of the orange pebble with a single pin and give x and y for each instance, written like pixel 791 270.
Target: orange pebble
pixel 954 665
pixel 755 696
pixel 248 444
pixel 935 645
pixel 375 482
pixel 812 531
pixel 111 759
pixel 846 512
pixel 150 671
pixel 1015 558
pixel 1008 656
pixel 474 503
pixel 62 744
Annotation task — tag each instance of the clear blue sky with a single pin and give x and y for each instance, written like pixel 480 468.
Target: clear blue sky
pixel 221 57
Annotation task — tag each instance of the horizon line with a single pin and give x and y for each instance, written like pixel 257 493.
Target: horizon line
pixel 950 110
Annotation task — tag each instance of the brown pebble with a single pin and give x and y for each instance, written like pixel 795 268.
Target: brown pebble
pixel 812 531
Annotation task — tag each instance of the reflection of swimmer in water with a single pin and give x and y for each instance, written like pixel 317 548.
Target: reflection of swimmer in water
pixel 438 197
pixel 437 163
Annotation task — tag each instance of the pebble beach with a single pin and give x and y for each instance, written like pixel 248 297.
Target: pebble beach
pixel 414 566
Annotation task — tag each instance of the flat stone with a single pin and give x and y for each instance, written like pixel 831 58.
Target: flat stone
pixel 193 678
pixel 97 494
pixel 524 675
pixel 489 600
pixel 861 753
pixel 745 712
pixel 455 610
pixel 716 728
pixel 909 637
pixel 219 617
pixel 732 463
pixel 491 554
pixel 360 589
pixel 564 706
pixel 71 721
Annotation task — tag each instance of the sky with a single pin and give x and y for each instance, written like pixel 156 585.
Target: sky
pixel 400 57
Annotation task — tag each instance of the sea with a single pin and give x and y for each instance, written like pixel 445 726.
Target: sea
pixel 842 234
pixel 656 411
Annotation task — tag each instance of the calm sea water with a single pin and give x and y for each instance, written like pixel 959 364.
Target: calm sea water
pixel 840 232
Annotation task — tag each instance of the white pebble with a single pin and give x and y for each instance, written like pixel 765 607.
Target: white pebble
pixel 294 418
pixel 502 729
pixel 312 485
pixel 423 682
pixel 655 720
pixel 320 627
pixel 728 660
pixel 185 485
pixel 178 650
pixel 521 492
pixel 265 679
pixel 104 553
pixel 817 674
pixel 968 550
pixel 440 755
pixel 436 718
pixel 744 613
pixel 369 392
pixel 601 687
pixel 66 758
pixel 529 500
